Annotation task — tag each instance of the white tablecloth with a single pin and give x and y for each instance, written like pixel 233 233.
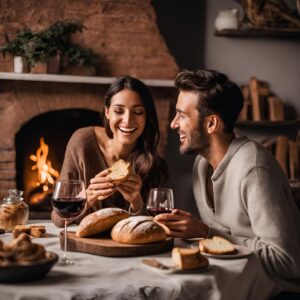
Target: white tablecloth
pixel 97 277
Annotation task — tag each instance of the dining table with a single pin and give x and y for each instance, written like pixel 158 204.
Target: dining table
pixel 94 277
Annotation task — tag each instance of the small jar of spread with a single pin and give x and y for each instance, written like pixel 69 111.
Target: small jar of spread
pixel 13 211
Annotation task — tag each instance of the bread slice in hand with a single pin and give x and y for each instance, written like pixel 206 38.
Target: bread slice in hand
pixel 120 170
pixel 186 258
pixel 217 245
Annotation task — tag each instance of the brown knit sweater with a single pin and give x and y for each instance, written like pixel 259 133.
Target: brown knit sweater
pixel 83 160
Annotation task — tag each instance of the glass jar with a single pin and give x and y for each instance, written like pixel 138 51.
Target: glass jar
pixel 13 211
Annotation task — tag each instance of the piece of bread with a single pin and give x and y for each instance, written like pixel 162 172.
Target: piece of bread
pixel 33 230
pixel 20 229
pixel 217 245
pixel 37 230
pixel 138 230
pixel 120 170
pixel 187 258
pixel 100 221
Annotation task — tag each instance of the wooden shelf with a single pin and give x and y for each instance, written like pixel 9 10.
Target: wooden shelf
pixel 78 79
pixel 259 33
pixel 268 124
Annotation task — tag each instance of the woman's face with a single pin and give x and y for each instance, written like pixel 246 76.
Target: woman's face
pixel 127 116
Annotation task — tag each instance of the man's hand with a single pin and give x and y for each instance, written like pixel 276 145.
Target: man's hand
pixel 183 225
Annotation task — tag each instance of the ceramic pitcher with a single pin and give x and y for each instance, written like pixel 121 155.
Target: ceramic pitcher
pixel 227 19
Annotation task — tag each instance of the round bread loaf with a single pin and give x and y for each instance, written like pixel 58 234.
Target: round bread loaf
pixel 138 230
pixel 101 220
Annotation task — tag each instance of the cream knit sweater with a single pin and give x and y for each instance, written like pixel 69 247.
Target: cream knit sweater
pixel 254 208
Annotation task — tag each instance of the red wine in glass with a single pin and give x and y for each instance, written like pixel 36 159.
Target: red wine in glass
pixel 68 208
pixel 160 201
pixel 154 211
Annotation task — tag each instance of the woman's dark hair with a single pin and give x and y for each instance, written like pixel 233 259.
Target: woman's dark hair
pixel 217 94
pixel 147 163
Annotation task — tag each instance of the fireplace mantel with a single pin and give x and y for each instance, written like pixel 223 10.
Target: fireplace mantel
pixel 78 79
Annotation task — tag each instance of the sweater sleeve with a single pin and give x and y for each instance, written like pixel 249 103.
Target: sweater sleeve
pixel 275 222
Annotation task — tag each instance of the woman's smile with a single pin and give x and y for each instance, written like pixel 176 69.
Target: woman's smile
pixel 127 130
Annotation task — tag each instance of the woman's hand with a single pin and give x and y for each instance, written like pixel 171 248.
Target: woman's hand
pixel 100 188
pixel 131 191
pixel 182 224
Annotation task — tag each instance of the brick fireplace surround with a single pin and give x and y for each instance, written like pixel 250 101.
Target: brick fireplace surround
pixel 123 33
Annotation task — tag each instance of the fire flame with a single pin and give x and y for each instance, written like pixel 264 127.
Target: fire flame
pixel 46 174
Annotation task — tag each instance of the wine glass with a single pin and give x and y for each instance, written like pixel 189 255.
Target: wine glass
pixel 160 201
pixel 68 201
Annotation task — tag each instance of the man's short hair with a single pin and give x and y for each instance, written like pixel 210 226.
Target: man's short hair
pixel 217 94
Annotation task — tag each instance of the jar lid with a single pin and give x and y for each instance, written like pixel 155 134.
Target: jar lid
pixel 14 195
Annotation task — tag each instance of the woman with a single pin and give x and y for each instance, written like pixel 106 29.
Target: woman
pixel 130 132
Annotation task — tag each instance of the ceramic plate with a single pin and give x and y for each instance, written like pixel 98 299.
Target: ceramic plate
pixel 167 261
pixel 28 272
pixel 242 252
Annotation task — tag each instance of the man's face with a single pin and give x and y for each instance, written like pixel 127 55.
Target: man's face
pixel 190 129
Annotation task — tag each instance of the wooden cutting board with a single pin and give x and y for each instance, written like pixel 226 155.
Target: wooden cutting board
pixel 105 246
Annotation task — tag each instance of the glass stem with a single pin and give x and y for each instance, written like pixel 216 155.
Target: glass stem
pixel 65 243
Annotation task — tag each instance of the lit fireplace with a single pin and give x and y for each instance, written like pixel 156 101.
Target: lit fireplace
pixel 46 174
pixel 41 145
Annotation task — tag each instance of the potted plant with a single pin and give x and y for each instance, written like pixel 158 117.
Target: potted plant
pixel 74 58
pixel 79 61
pixel 42 54
pixel 47 46
pixel 17 48
pixel 40 49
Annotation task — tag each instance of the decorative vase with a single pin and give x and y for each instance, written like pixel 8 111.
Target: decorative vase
pixel 20 66
pixel 227 19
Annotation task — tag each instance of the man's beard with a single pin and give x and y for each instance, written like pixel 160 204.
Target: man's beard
pixel 199 143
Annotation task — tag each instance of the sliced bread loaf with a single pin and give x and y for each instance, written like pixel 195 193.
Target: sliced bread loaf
pixel 185 258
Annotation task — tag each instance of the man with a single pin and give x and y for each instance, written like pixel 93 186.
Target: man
pixel 240 189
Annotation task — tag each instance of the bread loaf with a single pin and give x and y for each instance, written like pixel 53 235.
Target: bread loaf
pixel 187 258
pixel 217 245
pixel 119 171
pixel 100 221
pixel 138 230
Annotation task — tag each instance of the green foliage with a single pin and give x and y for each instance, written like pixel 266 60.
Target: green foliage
pixel 76 55
pixel 17 46
pixel 43 45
